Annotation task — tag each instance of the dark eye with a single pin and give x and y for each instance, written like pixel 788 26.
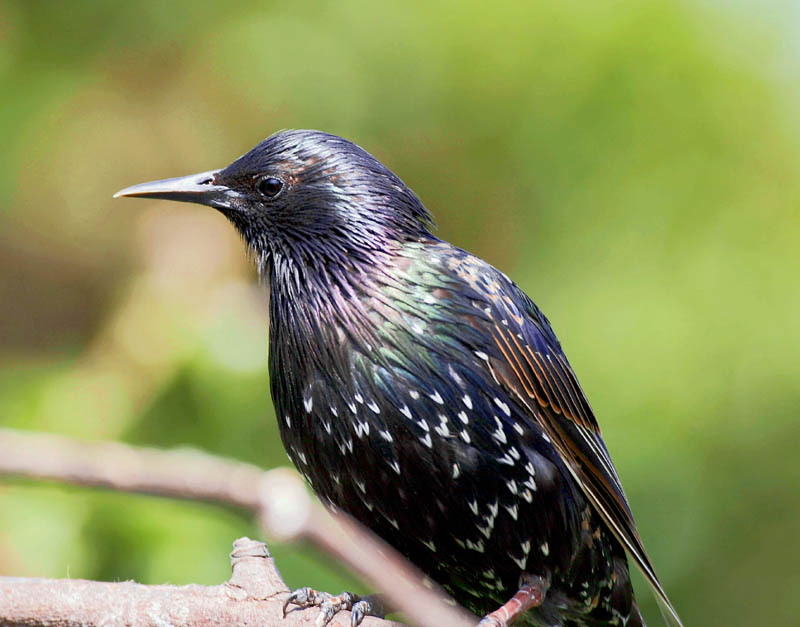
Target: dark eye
pixel 270 186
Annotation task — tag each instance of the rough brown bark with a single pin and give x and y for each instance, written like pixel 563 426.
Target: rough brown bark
pixel 253 596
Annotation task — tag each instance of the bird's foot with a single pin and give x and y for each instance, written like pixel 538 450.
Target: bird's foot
pixel 531 593
pixel 329 605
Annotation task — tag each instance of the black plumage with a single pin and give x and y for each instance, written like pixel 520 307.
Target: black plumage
pixel 420 390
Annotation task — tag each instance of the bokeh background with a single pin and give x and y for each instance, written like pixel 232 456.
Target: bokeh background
pixel 632 165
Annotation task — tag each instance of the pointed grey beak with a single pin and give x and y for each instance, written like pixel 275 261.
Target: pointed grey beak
pixel 196 188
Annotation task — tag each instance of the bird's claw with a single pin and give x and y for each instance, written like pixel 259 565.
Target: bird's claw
pixel 367 606
pixel 329 605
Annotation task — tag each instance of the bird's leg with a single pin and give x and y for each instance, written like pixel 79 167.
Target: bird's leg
pixel 531 593
pixel 329 605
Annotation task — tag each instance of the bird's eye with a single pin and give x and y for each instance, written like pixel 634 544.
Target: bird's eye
pixel 270 186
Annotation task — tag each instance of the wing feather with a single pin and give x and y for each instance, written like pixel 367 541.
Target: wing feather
pixel 525 357
pixel 536 371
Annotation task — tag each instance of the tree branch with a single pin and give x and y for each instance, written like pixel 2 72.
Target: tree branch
pixel 278 497
pixel 253 595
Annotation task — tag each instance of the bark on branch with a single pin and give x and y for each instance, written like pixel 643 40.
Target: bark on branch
pixel 255 593
pixel 253 596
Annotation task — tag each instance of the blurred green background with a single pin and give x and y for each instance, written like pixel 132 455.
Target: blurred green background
pixel 633 166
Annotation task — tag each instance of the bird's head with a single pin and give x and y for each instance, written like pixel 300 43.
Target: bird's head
pixel 306 197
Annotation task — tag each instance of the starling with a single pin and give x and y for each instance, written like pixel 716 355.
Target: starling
pixel 419 390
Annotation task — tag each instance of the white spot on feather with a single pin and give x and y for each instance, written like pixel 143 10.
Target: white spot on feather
pixel 545 549
pixel 467 401
pixel 503 406
pixel 465 436
pixel 454 374
pixel 309 404
pixel 374 407
pixel 437 398
pixel 499 435
pixel 362 428
pixel 406 411
pixel 476 546
pixel 487 530
pixel 462 416
pixel 427 440
pixel 506 459
pixel 520 561
pixel 529 482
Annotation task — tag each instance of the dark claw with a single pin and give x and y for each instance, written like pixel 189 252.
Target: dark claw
pixel 302 597
pixel 371 605
pixel 327 612
pixel 329 605
pixel 357 614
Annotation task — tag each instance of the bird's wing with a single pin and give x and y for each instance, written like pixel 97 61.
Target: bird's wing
pixel 528 361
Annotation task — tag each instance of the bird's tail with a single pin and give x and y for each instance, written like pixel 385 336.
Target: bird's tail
pixel 671 617
pixel 635 618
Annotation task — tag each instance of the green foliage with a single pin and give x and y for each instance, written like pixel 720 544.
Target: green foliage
pixel 631 164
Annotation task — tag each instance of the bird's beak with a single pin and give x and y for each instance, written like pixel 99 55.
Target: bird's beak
pixel 197 188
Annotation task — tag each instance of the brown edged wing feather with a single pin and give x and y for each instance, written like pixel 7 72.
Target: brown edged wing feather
pixel 530 364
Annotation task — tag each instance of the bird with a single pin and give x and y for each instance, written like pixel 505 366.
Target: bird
pixel 419 390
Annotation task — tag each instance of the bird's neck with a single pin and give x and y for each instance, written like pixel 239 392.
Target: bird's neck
pixel 319 315
pixel 313 305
